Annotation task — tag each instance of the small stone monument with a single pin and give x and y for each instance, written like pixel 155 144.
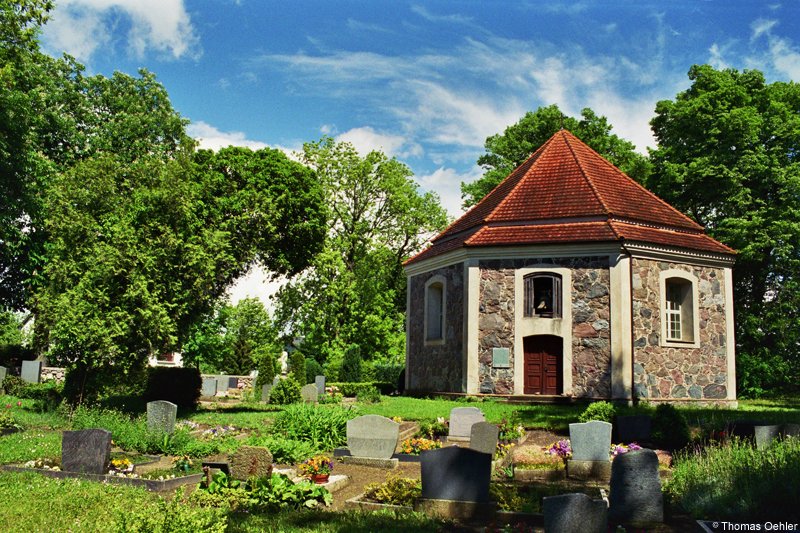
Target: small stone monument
pixel 764 435
pixel 591 442
pixel 461 420
pixel 455 483
pixel 222 384
pixel 265 390
pixel 87 451
pixel 483 437
pixel 372 436
pixel 209 387
pixel 635 499
pixel 250 461
pixel 633 428
pixel 309 393
pixel 3 374
pixel 161 416
pixel 574 513
pixel 31 371
pixel 319 381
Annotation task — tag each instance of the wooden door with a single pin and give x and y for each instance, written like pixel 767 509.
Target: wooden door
pixel 543 364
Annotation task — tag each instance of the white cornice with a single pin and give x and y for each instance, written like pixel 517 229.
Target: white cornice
pixel 668 253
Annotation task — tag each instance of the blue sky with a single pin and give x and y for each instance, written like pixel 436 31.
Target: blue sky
pixel 425 82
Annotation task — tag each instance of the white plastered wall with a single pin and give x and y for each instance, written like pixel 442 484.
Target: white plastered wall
pixel 621 328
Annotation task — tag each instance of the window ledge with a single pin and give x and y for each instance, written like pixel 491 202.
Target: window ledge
pixel 680 344
pixel 434 342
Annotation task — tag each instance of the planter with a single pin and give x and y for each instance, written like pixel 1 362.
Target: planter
pixel 320 479
pixel 155 485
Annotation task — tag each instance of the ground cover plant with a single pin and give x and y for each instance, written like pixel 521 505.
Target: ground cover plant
pixel 323 425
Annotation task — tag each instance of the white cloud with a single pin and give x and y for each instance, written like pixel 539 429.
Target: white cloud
pixel 761 27
pixel 716 58
pixel 430 17
pixel 782 54
pixel 83 27
pixel 365 139
pixel 214 139
pixel 255 284
pixel 446 182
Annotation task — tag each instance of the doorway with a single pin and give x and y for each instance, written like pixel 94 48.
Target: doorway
pixel 543 364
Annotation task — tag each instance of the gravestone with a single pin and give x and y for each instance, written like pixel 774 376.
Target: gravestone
pixel 3 374
pixel 790 430
pixel 636 498
pixel 483 437
pixel 764 435
pixel 461 420
pixel 275 380
pixel 455 473
pixel 161 416
pixel 574 513
pixel 250 461
pixel 209 387
pixel 233 383
pixel 634 428
pixel 265 390
pixel 31 371
pixel 87 451
pixel 309 393
pixel 222 384
pixel 590 441
pixel 372 436
pixel 319 381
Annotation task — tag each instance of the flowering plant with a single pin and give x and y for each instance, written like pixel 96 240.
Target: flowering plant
pixel 121 465
pixel 619 449
pixel 183 463
pixel 561 448
pixel 7 420
pixel 417 445
pixel 509 431
pixel 45 464
pixel 219 431
pixel 319 464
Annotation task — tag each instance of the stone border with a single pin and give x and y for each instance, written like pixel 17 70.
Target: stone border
pixel 370 461
pixel 457 509
pixel 541 474
pixel 153 485
pixel 358 502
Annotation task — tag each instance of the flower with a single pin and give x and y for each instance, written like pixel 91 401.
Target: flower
pixel 19 404
pixel 121 465
pixel 183 463
pixel 619 449
pixel 319 464
pixel 417 445
pixel 561 448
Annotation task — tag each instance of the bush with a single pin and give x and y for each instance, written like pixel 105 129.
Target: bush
pixel 603 411
pixel 351 364
pixel 394 491
pixel 670 429
pixel 324 426
pixel 368 395
pixel 351 390
pixel 313 369
pixel 267 369
pixel 14 385
pixel 46 396
pixel 433 429
pixel 180 386
pixel 388 372
pixel 297 366
pixel 260 495
pixel 286 392
pixel 283 450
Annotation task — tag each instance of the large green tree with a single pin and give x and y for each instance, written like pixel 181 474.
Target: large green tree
pixel 729 155
pixel 354 291
pixel 506 151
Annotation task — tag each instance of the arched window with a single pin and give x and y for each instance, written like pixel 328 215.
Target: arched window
pixel 679 310
pixel 542 295
pixel 435 309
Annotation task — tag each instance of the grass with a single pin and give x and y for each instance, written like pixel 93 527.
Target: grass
pixel 249 416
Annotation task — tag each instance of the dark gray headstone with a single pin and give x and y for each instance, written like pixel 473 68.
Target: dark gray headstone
pixel 461 420
pixel 483 437
pixel 636 498
pixel 634 428
pixel 309 393
pixel 764 435
pixel 87 451
pixel 574 513
pixel 455 473
pixel 372 436
pixel 31 371
pixel 233 383
pixel 265 390
pixel 161 416
pixel 591 441
pixel 209 387
pixel 319 381
pixel 790 430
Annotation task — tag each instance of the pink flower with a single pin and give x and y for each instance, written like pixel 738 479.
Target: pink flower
pixel 8 406
pixel 19 404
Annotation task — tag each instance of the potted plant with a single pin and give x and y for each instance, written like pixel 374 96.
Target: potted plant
pixel 317 469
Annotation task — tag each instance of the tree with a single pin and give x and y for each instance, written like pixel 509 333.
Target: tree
pixel 354 291
pixel 729 155
pixel 506 151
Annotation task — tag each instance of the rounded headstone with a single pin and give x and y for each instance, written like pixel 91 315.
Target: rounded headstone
pixel 372 436
pixel 483 437
pixel 461 420
pixel 635 497
pixel 574 513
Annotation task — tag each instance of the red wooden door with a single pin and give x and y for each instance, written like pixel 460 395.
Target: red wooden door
pixel 543 357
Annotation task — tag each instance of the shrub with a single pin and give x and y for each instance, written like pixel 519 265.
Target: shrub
pixel 267 369
pixel 14 385
pixel 351 364
pixel 286 392
pixel 368 395
pixel 385 387
pixel 313 369
pixel 259 495
pixel 670 429
pixel 325 426
pixel 283 450
pixel 603 411
pixel 180 386
pixel 351 390
pixel 394 491
pixel 388 372
pixel 297 366
pixel 433 429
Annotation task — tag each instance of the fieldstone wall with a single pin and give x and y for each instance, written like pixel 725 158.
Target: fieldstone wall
pixel 591 347
pixel 437 367
pixel 667 372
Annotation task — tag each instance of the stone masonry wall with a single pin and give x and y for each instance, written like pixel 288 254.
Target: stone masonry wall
pixel 591 348
pixel 437 368
pixel 667 372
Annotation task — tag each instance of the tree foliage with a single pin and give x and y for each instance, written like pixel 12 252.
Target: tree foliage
pixel 354 291
pixel 506 151
pixel 729 155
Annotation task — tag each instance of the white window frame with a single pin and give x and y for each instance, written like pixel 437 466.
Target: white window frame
pixel 432 286
pixel 686 313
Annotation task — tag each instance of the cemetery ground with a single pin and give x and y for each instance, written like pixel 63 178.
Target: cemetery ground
pixel 729 476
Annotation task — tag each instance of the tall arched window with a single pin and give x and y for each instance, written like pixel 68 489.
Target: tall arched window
pixel 542 295
pixel 435 309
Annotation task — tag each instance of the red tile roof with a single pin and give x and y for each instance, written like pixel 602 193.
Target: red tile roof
pixel 566 193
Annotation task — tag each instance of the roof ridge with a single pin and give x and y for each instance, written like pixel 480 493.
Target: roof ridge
pixel 586 174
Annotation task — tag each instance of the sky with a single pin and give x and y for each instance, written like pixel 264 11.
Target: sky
pixel 425 82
